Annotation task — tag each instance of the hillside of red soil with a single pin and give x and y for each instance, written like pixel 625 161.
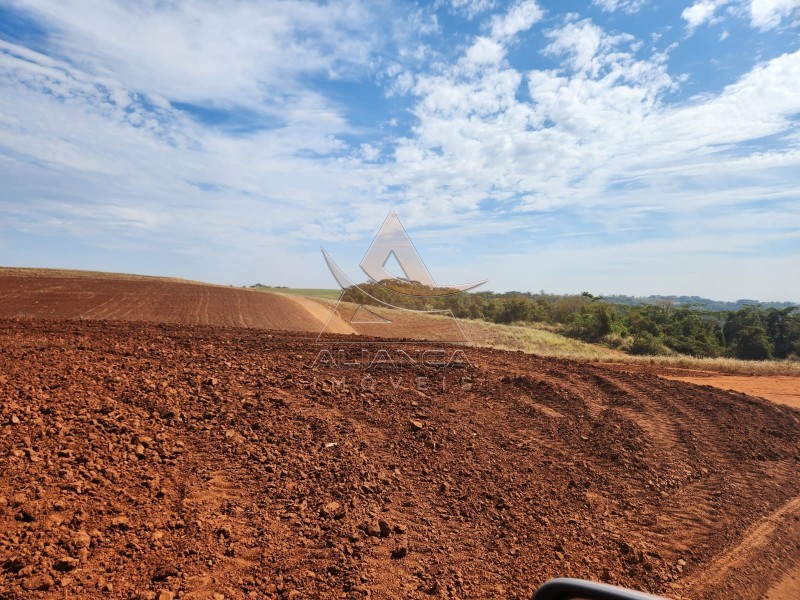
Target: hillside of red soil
pixel 58 295
pixel 144 460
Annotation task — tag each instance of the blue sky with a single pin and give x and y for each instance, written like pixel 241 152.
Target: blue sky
pixel 613 146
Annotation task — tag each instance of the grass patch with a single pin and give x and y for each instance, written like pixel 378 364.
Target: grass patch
pixel 729 366
pixel 533 341
pixel 308 292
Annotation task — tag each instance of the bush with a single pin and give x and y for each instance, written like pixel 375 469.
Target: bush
pixel 616 341
pixel 752 343
pixel 645 344
pixel 593 322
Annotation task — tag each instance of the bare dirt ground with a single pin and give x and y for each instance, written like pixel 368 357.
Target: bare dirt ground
pixel 145 460
pixel 783 389
pixel 53 295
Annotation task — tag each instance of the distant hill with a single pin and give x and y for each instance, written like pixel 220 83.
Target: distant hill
pixel 694 301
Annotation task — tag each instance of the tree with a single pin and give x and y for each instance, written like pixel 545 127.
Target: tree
pixel 593 322
pixel 752 343
pixel 645 344
pixel 783 328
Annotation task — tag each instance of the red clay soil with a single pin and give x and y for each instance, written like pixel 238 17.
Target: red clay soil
pixel 143 460
pixel 54 296
pixel 783 389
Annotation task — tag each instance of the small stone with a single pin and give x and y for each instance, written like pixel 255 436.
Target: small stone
pixel 40 583
pixel 14 564
pixel 65 564
pixel 400 529
pixel 164 572
pixel 165 595
pixel 122 523
pixel 384 527
pixel 416 425
pixel 333 510
pixel 81 540
pixel 399 552
pixel 15 420
pixel 26 515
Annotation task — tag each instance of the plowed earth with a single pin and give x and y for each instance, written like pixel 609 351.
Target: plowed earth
pixel 142 460
pixel 53 296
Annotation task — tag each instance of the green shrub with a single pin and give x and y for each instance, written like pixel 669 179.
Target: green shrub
pixel 752 343
pixel 645 344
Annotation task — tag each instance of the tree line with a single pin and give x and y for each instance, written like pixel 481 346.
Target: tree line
pixel 752 332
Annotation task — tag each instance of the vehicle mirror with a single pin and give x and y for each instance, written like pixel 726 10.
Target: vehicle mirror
pixel 578 589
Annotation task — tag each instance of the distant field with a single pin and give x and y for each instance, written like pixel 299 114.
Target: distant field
pixel 67 293
pixel 39 272
pixel 308 292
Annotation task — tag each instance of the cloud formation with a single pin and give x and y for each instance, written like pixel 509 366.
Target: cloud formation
pixel 234 134
pixel 762 14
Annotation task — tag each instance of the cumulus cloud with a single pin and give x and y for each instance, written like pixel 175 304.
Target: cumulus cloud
pixel 762 14
pixel 519 18
pixel 594 129
pixel 701 12
pixel 472 8
pixel 628 6
pixel 767 14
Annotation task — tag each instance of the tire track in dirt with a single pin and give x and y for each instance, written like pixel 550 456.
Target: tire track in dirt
pixel 759 539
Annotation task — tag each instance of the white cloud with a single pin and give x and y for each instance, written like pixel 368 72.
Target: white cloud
pixel 628 6
pixel 472 8
pixel 763 14
pixel 232 53
pixel 520 17
pixel 484 52
pixel 597 133
pixel 701 12
pixel 767 14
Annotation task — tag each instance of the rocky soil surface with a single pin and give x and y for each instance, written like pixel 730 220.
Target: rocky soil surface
pixel 171 461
